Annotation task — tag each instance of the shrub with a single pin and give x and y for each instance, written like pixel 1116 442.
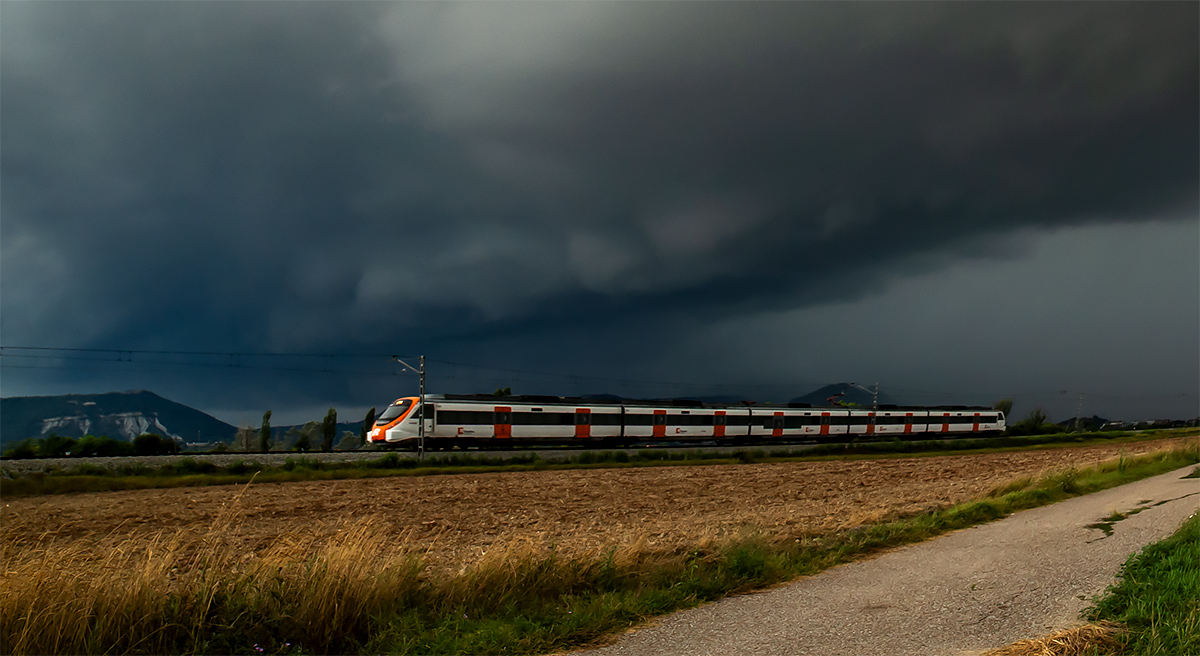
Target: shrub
pixel 191 466
pixel 101 447
pixel 56 446
pixel 241 467
pixel 151 444
pixel 24 449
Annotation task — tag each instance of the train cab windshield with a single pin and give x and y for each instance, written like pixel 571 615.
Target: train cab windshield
pixel 393 411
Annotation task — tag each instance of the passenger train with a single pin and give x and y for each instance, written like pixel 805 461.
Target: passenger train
pixel 490 422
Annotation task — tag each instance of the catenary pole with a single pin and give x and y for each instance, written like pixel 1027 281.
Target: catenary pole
pixel 420 372
pixel 875 408
pixel 421 427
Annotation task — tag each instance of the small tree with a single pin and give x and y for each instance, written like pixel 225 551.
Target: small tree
pixel 1003 405
pixel 502 391
pixel 26 448
pixel 264 433
pixel 57 446
pixel 308 433
pixel 1034 424
pixel 348 442
pixel 1036 418
pixel 104 446
pixel 289 440
pixel 328 429
pixel 366 427
pixel 246 439
pixel 152 444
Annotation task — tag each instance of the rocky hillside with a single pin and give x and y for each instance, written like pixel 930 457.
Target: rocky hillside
pixel 120 415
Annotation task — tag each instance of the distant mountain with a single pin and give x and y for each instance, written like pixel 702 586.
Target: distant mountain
pixel 844 392
pixel 729 399
pixel 604 398
pixel 120 415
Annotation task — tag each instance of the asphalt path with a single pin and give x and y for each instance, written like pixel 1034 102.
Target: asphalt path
pixel 964 593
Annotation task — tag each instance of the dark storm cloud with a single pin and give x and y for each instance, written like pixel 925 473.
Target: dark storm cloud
pixel 315 175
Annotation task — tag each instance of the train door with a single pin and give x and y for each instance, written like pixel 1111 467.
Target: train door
pixel 777 424
pixel 719 423
pixel 660 423
pixel 583 422
pixel 502 422
pixel 428 414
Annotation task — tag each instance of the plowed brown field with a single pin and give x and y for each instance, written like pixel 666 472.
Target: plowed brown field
pixel 459 517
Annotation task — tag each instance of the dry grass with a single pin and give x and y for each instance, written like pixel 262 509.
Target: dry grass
pixel 159 596
pixel 457 518
pixel 1086 640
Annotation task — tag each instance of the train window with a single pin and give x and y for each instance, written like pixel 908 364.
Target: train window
pixel 660 420
pixel 718 420
pixel 687 420
pixel 638 420
pixel 777 421
pixel 462 417
pixel 393 411
pixel 825 420
pixel 583 419
pixel 503 418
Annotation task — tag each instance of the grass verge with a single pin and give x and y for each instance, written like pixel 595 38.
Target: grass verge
pixel 1157 596
pixel 193 472
pixel 1154 608
pixel 364 591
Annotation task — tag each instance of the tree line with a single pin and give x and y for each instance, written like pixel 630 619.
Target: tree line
pixel 92 446
pixel 312 436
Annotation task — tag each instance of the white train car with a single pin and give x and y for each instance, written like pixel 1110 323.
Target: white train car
pixel 489 422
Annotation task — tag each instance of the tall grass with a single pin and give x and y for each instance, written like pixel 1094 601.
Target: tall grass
pixel 160 596
pixel 366 590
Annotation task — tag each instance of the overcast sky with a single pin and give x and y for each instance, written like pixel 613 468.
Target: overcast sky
pixel 961 202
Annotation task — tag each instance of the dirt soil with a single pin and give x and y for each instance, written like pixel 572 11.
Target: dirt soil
pixel 457 518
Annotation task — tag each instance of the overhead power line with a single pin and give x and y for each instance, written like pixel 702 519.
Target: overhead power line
pixel 165 352
pixel 41 357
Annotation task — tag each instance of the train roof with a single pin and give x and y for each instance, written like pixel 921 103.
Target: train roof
pixel 675 403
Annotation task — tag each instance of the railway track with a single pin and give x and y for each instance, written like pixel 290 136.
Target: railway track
pixel 276 458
